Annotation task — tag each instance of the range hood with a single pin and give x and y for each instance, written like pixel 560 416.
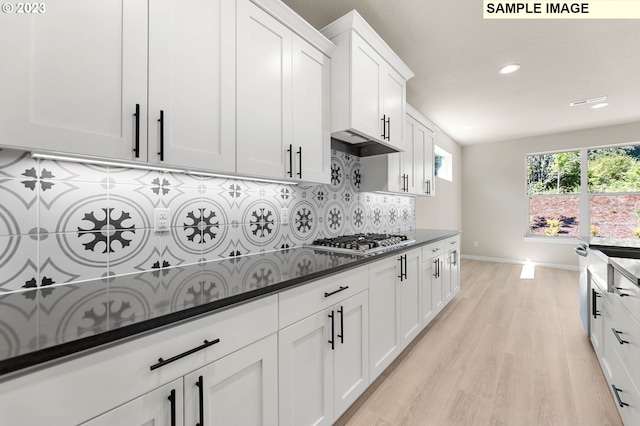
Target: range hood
pixel 361 146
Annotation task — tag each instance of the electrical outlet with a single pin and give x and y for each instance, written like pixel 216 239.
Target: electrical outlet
pixel 284 216
pixel 475 244
pixel 161 220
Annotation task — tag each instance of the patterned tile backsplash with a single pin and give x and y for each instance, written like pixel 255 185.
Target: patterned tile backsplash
pixel 64 222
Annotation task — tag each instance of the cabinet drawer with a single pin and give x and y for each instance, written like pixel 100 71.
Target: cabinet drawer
pixel 452 243
pixel 433 250
pixel 631 292
pixel 90 384
pixel 628 331
pixel 302 301
pixel 627 394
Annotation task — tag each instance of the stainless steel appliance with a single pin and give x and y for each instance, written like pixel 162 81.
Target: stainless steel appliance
pixel 362 244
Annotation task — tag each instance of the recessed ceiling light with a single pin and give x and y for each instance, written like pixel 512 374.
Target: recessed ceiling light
pixel 508 69
pixel 467 127
pixel 600 105
pixel 588 101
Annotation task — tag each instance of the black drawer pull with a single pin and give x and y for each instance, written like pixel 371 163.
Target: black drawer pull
pixel 200 385
pixel 172 399
pixel 337 291
pixel 617 334
pixel 618 292
pixel 615 391
pixel 162 362
pixel 300 162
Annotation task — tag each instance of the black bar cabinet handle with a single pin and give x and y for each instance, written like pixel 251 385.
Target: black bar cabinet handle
pixel 161 148
pixel 405 266
pixel 333 331
pixel 172 399
pixel 161 121
pixel 300 162
pixel 384 127
pixel 617 334
pixel 618 292
pixel 401 266
pixel 136 147
pixel 615 391
pixel 594 303
pixel 341 335
pixel 428 182
pixel 435 268
pixel 389 128
pixel 455 257
pixel 290 151
pixel 342 288
pixel 438 268
pixel 162 362
pixel 200 385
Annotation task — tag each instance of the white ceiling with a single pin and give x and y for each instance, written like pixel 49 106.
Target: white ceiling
pixel 456 55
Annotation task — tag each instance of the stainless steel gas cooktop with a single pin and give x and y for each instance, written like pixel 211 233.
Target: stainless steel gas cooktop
pixel 361 243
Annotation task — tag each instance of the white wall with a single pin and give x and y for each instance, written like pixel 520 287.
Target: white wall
pixel 495 206
pixel 444 211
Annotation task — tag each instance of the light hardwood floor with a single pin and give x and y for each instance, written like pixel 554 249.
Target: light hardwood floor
pixel 506 351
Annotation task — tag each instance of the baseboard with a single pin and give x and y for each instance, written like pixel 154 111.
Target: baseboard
pixel 520 262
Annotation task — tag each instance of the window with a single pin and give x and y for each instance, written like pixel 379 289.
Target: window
pixel 600 186
pixel 614 192
pixel 553 186
pixel 443 164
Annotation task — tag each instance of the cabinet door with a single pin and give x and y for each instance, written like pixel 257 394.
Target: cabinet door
pixel 384 317
pixel 427 292
pixel 455 272
pixel 366 73
pixel 408 174
pixel 410 321
pixel 306 371
pixel 428 178
pixel 192 82
pixel 160 407
pixel 438 283
pixel 311 115
pixel 596 318
pixel 72 78
pixel 393 94
pixel 239 389
pixel 351 355
pixel 263 93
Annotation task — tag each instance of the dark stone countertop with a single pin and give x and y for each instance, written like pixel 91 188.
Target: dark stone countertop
pixel 48 323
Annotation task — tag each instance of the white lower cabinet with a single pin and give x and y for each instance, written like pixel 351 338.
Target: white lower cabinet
pixel 323 363
pixel 596 317
pixel 394 305
pixel 433 283
pixel 451 268
pixel 160 407
pixel 239 389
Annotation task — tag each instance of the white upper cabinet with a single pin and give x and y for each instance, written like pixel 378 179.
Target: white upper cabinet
pixel 73 76
pixel 407 172
pixel 264 93
pixel 282 99
pixel 368 84
pixel 421 141
pixel 192 83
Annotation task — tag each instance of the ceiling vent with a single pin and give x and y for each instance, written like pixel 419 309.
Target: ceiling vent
pixel 588 101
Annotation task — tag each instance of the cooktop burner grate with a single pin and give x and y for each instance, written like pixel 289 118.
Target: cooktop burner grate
pixel 361 243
